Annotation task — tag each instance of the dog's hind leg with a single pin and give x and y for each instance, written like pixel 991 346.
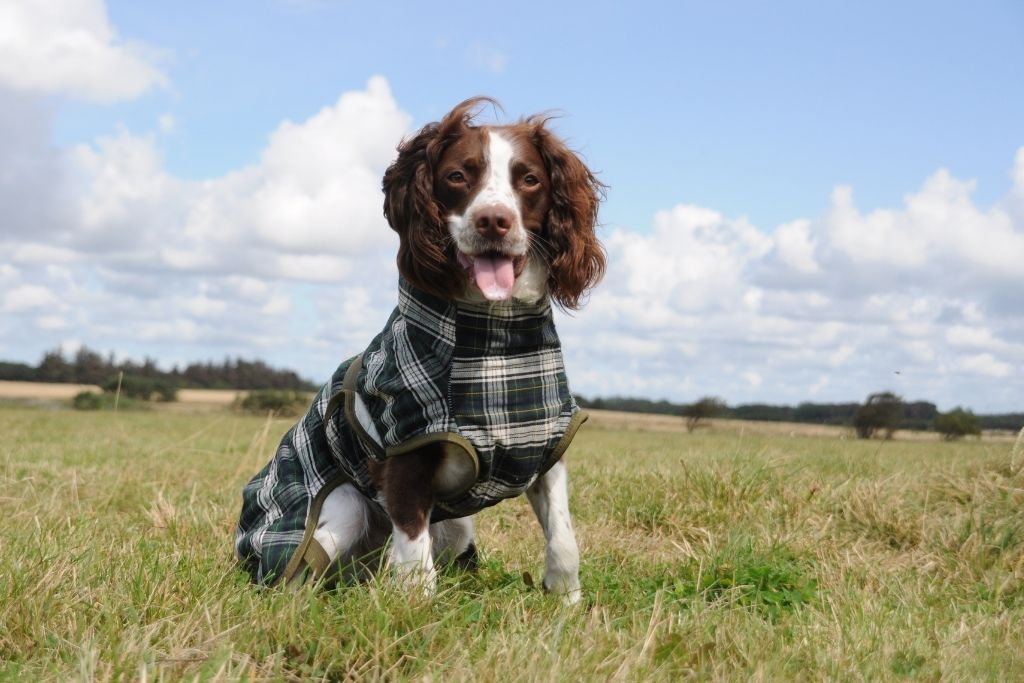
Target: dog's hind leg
pixel 453 542
pixel 549 497
pixel 350 529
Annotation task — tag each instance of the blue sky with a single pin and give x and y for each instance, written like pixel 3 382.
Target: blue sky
pixel 805 198
pixel 758 109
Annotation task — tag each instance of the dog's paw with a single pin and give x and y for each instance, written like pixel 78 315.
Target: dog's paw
pixel 416 580
pixel 566 587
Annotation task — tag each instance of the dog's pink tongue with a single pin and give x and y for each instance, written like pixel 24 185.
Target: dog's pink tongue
pixel 494 276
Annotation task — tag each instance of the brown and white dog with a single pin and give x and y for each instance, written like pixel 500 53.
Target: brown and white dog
pixel 484 213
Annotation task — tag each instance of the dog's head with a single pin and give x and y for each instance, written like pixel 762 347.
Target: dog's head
pixel 497 212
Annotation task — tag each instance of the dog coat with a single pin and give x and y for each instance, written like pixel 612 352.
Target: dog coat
pixel 485 381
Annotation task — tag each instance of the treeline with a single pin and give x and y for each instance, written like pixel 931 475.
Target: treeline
pixel 919 415
pixel 89 367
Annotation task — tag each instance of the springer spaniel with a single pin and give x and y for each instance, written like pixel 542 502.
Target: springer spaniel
pixel 462 400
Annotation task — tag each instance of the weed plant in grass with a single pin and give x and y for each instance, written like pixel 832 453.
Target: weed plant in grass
pixel 712 555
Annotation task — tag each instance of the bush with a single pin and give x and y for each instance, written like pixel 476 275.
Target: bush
pixel 143 388
pixel 881 412
pixel 91 400
pixel 699 413
pixel 956 424
pixel 278 402
pixel 87 400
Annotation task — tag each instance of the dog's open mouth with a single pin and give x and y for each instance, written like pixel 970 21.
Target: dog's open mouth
pixel 493 273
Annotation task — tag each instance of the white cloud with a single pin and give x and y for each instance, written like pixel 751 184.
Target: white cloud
pixel 939 237
pixel 695 259
pixel 51 323
pixel 309 210
pixel 917 299
pixel 795 247
pixel 963 335
pixel 986 364
pixel 841 355
pixel 27 297
pixel 70 346
pixel 127 199
pixel 148 263
pixel 69 47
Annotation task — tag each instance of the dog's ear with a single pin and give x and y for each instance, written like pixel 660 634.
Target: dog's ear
pixel 424 257
pixel 411 211
pixel 577 257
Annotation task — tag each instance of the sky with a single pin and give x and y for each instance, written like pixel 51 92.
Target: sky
pixel 808 201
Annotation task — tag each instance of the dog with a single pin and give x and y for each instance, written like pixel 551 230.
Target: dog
pixel 462 400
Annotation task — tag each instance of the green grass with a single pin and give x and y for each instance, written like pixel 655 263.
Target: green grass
pixel 714 556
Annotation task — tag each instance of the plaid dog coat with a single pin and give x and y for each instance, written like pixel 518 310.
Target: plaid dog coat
pixel 486 380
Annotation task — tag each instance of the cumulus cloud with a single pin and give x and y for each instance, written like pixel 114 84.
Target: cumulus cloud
pixel 143 259
pixel 922 299
pixel 69 47
pixel 937 228
pixel 34 184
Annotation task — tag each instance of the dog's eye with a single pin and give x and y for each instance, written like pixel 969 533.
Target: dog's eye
pixel 531 180
pixel 456 177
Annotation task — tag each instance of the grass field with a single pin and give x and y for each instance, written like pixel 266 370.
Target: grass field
pixel 725 554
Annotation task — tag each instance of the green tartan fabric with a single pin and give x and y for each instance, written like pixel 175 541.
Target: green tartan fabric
pixel 491 374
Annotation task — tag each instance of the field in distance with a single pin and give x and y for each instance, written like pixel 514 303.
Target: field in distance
pixel 196 400
pixel 46 391
pixel 720 555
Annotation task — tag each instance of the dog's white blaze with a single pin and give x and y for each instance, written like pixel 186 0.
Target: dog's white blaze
pixel 451 538
pixel 496 190
pixel 549 497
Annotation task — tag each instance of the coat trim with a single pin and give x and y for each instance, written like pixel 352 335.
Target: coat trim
pixel 295 566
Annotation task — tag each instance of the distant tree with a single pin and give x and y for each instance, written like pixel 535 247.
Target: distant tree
pixel 278 402
pixel 956 424
pixel 881 413
pixel 763 412
pixel 90 367
pixel 697 414
pixel 1012 422
pixel 142 388
pixel 918 415
pixel 825 413
pixel 54 368
pixel 17 372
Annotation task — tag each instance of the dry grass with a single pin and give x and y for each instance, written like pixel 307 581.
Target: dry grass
pixel 46 391
pixel 722 555
pixel 42 391
pixel 211 397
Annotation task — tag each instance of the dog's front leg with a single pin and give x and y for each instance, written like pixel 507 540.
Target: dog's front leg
pixel 408 501
pixel 549 497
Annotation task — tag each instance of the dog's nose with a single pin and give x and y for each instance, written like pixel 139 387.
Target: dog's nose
pixel 492 222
